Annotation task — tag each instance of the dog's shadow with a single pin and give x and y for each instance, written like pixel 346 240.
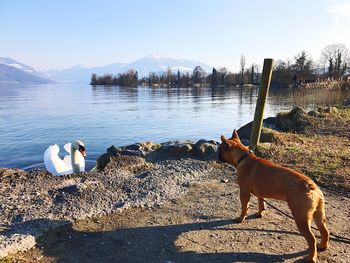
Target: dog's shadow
pixel 146 244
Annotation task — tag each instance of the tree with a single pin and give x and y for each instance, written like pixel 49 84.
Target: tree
pixel 303 64
pixel 230 79
pixel 242 66
pixel 170 77
pixel 252 74
pixel 335 58
pixel 223 72
pixel 198 75
pixel 214 77
pixel 93 79
pixel 178 77
pixel 282 74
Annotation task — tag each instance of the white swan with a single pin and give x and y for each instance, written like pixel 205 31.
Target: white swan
pixel 74 162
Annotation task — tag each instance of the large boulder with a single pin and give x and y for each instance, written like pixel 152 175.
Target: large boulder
pixel 172 150
pixel 294 121
pixel 118 153
pixel 206 149
pixel 152 152
pixel 245 131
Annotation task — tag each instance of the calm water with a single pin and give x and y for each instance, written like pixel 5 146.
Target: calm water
pixel 36 116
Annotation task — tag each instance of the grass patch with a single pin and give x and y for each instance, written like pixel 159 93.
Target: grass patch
pixel 323 155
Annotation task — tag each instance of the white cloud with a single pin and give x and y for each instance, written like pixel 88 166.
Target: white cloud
pixel 339 10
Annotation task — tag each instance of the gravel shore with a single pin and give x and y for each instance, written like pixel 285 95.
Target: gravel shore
pixel 32 202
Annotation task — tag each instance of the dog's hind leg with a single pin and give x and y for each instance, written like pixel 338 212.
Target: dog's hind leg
pixel 245 197
pixel 262 207
pixel 320 220
pixel 303 222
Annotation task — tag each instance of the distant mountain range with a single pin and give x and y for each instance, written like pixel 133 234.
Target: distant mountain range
pixel 13 71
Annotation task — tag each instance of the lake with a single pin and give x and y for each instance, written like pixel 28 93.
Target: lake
pixel 32 117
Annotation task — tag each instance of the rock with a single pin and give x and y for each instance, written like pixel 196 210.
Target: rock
pixel 245 131
pixel 113 150
pixel 332 110
pixel 245 142
pixel 172 150
pixel 328 110
pixel 181 146
pixel 149 146
pixel 224 180
pixel 206 149
pixel 294 121
pixel 134 147
pixel 321 109
pixel 102 161
pixel 314 114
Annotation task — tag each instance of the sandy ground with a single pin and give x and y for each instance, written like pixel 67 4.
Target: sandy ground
pixel 197 227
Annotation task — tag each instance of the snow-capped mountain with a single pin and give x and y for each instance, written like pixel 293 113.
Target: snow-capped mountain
pixel 12 71
pixel 157 63
pixel 151 63
pixel 82 74
pixel 18 65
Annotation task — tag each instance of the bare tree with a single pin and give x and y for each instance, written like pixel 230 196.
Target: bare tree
pixel 336 57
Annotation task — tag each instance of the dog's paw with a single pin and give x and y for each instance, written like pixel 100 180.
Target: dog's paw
pixel 310 260
pixel 259 214
pixel 321 248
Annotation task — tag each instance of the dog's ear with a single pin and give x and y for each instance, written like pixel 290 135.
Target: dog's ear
pixel 223 139
pixel 235 135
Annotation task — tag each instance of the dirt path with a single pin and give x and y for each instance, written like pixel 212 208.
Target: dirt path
pixel 198 227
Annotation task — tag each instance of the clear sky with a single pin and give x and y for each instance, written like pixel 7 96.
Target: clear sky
pixel 63 33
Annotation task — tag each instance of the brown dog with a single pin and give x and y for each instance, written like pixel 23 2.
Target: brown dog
pixel 266 180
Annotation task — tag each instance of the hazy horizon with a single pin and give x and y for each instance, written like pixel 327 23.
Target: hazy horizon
pixel 62 34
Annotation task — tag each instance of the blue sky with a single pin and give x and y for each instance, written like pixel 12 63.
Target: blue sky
pixel 91 33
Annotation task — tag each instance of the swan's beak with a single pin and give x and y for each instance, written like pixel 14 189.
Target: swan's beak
pixel 82 150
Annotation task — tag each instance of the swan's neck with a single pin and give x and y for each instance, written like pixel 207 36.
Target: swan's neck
pixel 78 161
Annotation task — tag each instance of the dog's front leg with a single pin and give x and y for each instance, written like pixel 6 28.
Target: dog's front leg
pixel 245 197
pixel 262 207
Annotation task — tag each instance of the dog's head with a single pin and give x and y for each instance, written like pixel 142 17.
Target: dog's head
pixel 230 150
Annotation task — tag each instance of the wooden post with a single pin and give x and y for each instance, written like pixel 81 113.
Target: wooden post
pixel 260 103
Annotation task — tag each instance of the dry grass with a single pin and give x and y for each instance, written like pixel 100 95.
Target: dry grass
pixel 322 153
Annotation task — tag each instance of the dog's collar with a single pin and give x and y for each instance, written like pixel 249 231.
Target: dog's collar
pixel 243 157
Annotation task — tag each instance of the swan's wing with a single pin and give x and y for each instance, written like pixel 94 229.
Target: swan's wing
pixel 67 147
pixel 53 162
pixel 67 160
